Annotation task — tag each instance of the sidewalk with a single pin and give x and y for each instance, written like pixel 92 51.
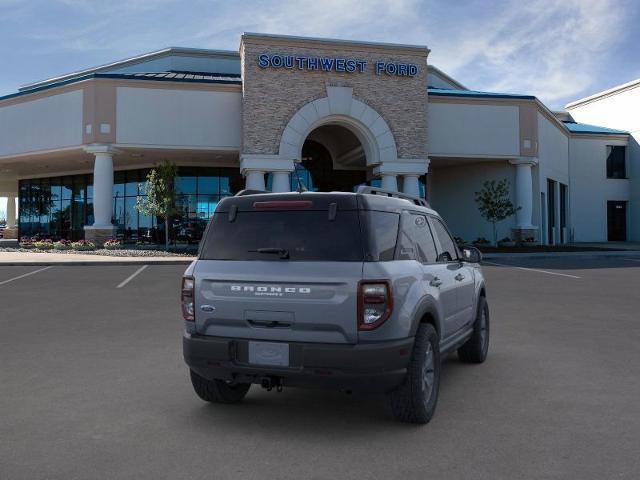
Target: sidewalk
pixel 32 258
pixel 593 253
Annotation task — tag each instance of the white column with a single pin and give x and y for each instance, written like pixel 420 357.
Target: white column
pixel 103 190
pixel 254 166
pixel 11 211
pixel 411 185
pixel 389 182
pixel 280 182
pixel 102 193
pixel 254 180
pixel 409 171
pixel 524 192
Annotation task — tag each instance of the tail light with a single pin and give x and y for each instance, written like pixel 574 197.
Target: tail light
pixel 186 298
pixel 375 303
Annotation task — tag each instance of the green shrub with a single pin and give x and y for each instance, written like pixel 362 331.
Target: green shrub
pixel 83 245
pixel 62 245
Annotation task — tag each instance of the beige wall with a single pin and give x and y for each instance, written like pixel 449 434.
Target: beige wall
pixel 168 117
pixel 49 122
pixel 590 189
pixel 460 129
pixel 272 96
pixel 452 194
pixel 620 110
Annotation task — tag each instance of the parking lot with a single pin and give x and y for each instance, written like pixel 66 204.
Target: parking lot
pixel 92 385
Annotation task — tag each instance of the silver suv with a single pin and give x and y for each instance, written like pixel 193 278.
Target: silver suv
pixel 357 291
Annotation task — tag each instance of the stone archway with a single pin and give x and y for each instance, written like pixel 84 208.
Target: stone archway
pixel 340 108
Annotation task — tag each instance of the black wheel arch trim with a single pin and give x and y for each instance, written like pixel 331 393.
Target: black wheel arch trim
pixel 427 307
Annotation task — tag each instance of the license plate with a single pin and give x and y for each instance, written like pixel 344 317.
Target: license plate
pixel 269 353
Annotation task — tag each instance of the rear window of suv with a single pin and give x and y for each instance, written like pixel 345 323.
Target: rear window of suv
pixel 305 235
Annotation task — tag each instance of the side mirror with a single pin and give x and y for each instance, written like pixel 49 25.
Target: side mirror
pixel 471 255
pixel 444 257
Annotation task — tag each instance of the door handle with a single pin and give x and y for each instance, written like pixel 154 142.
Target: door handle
pixel 459 277
pixel 436 282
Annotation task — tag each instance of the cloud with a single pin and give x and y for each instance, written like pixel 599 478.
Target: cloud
pixel 348 19
pixel 542 47
pixel 558 50
pixel 549 48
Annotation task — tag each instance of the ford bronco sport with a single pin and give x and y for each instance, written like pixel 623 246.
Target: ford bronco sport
pixel 357 291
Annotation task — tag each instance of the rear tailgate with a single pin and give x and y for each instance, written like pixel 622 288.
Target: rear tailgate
pixel 294 301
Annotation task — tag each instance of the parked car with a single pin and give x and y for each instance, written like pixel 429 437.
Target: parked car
pixel 361 291
pixel 190 231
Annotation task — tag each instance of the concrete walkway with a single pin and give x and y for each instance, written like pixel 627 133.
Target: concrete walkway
pixel 586 254
pixel 616 245
pixel 33 258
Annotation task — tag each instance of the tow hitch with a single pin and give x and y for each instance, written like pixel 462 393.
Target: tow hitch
pixel 268 383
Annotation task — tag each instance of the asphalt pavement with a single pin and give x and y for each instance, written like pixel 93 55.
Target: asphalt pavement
pixel 93 386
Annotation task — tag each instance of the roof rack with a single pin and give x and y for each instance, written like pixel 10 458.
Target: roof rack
pixel 242 193
pixel 365 189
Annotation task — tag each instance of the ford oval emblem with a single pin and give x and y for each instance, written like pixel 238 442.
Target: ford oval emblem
pixel 207 308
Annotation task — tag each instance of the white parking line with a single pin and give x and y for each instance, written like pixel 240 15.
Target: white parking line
pixel 132 276
pixel 532 269
pixel 25 275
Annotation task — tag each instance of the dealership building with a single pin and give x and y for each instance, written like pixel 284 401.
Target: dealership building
pixel 331 114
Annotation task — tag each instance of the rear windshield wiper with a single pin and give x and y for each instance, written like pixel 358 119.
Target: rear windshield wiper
pixel 283 252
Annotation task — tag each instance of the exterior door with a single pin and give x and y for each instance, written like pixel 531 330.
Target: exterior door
pixel 463 276
pixel 551 211
pixel 563 213
pixel 416 242
pixel 617 221
pixel 543 218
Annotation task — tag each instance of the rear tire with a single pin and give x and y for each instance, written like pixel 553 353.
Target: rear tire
pixel 415 400
pixel 475 349
pixel 218 391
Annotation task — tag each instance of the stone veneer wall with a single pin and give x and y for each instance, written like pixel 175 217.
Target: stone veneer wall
pixel 271 96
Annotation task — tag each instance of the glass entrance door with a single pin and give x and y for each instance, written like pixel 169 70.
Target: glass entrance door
pixel 551 212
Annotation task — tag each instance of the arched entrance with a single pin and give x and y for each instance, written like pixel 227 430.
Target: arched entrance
pixel 340 141
pixel 334 159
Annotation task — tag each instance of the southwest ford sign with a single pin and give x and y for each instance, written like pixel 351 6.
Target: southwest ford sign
pixel 331 64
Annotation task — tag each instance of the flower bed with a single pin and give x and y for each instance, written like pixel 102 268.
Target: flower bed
pixel 62 245
pixel 113 244
pixel 83 245
pixel 43 244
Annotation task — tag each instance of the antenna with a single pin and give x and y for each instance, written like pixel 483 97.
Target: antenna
pixel 301 188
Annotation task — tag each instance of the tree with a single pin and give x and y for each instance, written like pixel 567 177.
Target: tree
pixel 160 199
pixel 494 203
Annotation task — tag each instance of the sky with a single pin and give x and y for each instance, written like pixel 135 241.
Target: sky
pixel 558 50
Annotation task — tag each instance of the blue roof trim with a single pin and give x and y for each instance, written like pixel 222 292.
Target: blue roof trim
pixel 575 127
pixel 227 79
pixel 444 92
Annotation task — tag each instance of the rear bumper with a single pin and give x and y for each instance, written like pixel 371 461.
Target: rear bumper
pixel 369 367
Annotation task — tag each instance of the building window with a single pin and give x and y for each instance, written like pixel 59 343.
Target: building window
pixel 616 162
pixel 60 207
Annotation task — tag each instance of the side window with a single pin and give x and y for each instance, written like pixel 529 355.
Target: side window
pixel 616 161
pixel 383 233
pixel 449 251
pixel 416 241
pixel 406 239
